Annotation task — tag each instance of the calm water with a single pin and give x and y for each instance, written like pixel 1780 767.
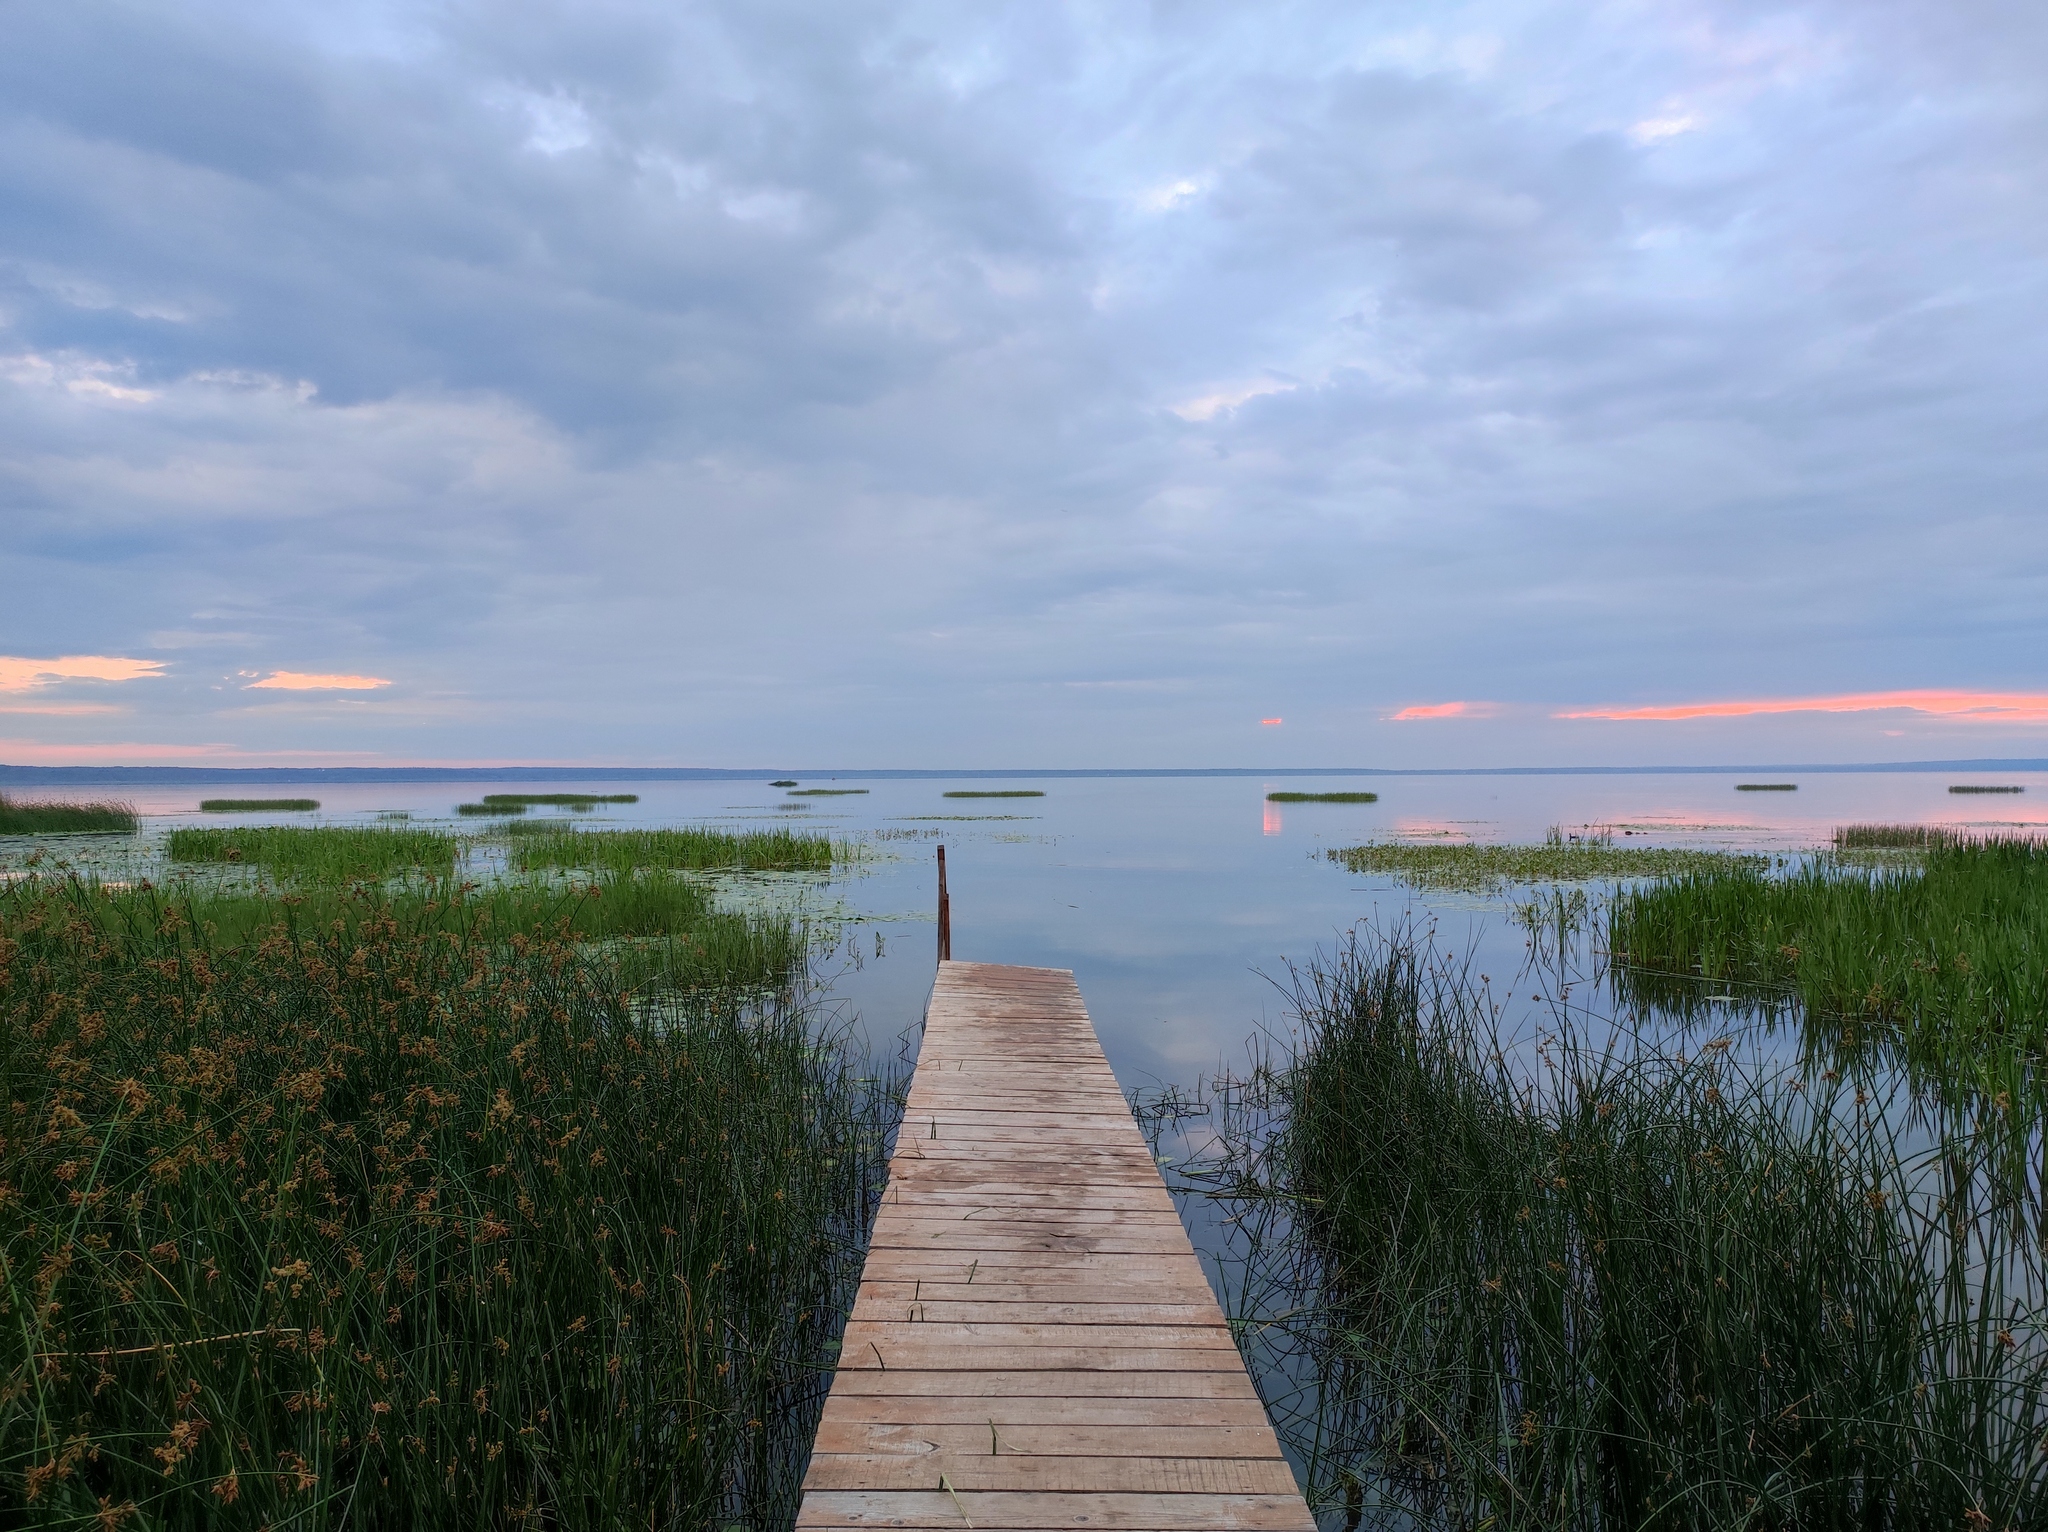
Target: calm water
pixel 1175 901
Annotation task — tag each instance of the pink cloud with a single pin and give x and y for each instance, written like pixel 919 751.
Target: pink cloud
pixel 301 681
pixel 1444 710
pixel 19 675
pixel 1965 706
pixel 1271 723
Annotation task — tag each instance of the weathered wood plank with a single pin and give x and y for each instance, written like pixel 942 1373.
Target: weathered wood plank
pixel 1037 1511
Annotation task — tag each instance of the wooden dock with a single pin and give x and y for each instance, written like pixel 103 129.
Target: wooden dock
pixel 1034 1345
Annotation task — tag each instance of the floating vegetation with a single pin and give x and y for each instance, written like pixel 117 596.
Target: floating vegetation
pixel 18 818
pixel 375 1222
pixel 1487 869
pixel 1969 787
pixel 777 850
pixel 784 782
pixel 560 800
pixel 1007 792
pixel 327 855
pixel 1767 787
pixel 258 805
pixel 487 808
pixel 828 792
pixel 1948 956
pixel 1597 1285
pixel 1322 797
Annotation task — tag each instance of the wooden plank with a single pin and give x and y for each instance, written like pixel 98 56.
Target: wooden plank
pixel 1032 1324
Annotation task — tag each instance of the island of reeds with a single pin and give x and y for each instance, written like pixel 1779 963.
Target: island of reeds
pixel 1322 797
pixel 1007 792
pixel 258 805
pixel 1970 787
pixel 420 1204
pixel 1767 787
pixel 829 792
pixel 1480 868
pixel 28 818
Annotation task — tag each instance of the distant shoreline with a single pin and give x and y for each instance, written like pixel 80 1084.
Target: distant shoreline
pixel 177 776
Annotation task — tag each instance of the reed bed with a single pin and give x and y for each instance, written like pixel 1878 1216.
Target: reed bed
pixel 258 805
pixel 1322 797
pixel 488 809
pixel 372 1223
pixel 1595 1284
pixel 19 818
pixel 321 855
pixel 1877 837
pixel 690 849
pixel 830 792
pixel 1972 787
pixel 1948 957
pixel 1007 792
pixel 1767 787
pixel 1488 869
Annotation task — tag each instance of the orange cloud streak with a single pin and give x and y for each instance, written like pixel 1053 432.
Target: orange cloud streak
pixel 20 675
pixel 1443 710
pixel 1967 707
pixel 1270 723
pixel 299 681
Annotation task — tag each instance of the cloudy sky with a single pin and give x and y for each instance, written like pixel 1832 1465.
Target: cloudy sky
pixel 1373 383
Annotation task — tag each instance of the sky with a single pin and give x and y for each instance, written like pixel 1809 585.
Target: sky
pixel 1460 383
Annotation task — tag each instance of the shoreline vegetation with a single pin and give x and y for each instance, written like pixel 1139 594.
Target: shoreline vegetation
pixel 327 854
pixel 414 1211
pixel 45 818
pixel 1598 1283
pixel 1322 797
pixel 1479 868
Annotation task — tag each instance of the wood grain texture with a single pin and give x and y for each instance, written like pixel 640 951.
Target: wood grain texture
pixel 1032 1326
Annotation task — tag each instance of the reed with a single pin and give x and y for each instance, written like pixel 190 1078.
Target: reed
pixel 1562 858
pixel 1598 1284
pixel 1007 792
pixel 783 782
pixel 328 854
pixel 1322 797
pixel 18 818
pixel 1891 837
pixel 829 792
pixel 258 805
pixel 1767 787
pixel 371 1223
pixel 690 849
pixel 1968 787
pixel 1946 957
pixel 487 809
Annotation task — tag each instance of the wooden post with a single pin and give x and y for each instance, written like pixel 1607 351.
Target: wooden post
pixel 945 913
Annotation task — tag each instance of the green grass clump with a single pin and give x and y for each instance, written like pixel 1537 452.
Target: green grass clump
pixel 1767 787
pixel 784 782
pixel 1973 788
pixel 565 800
pixel 829 792
pixel 1611 1287
pixel 329 854
pixel 487 809
pixel 1948 955
pixel 689 849
pixel 1486 869
pixel 1008 792
pixel 379 1225
pixel 258 805
pixel 1891 837
pixel 1322 797
pixel 17 818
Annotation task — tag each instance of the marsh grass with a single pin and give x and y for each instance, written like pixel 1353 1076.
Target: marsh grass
pixel 1487 869
pixel 1876 837
pixel 1007 792
pixel 688 849
pixel 1322 797
pixel 1975 788
pixel 372 1223
pixel 560 800
pixel 1767 787
pixel 829 792
pixel 1599 1284
pixel 1946 957
pixel 784 782
pixel 488 810
pixel 322 855
pixel 18 818
pixel 258 805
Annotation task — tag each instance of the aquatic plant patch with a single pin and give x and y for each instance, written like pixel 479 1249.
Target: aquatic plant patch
pixel 258 805
pixel 326 854
pixel 1767 787
pixel 389 1225
pixel 1322 797
pixel 829 792
pixel 777 850
pixel 560 800
pixel 1968 787
pixel 1486 869
pixel 1007 792
pixel 19 818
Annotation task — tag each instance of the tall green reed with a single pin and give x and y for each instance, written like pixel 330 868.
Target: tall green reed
pixel 693 849
pixel 322 854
